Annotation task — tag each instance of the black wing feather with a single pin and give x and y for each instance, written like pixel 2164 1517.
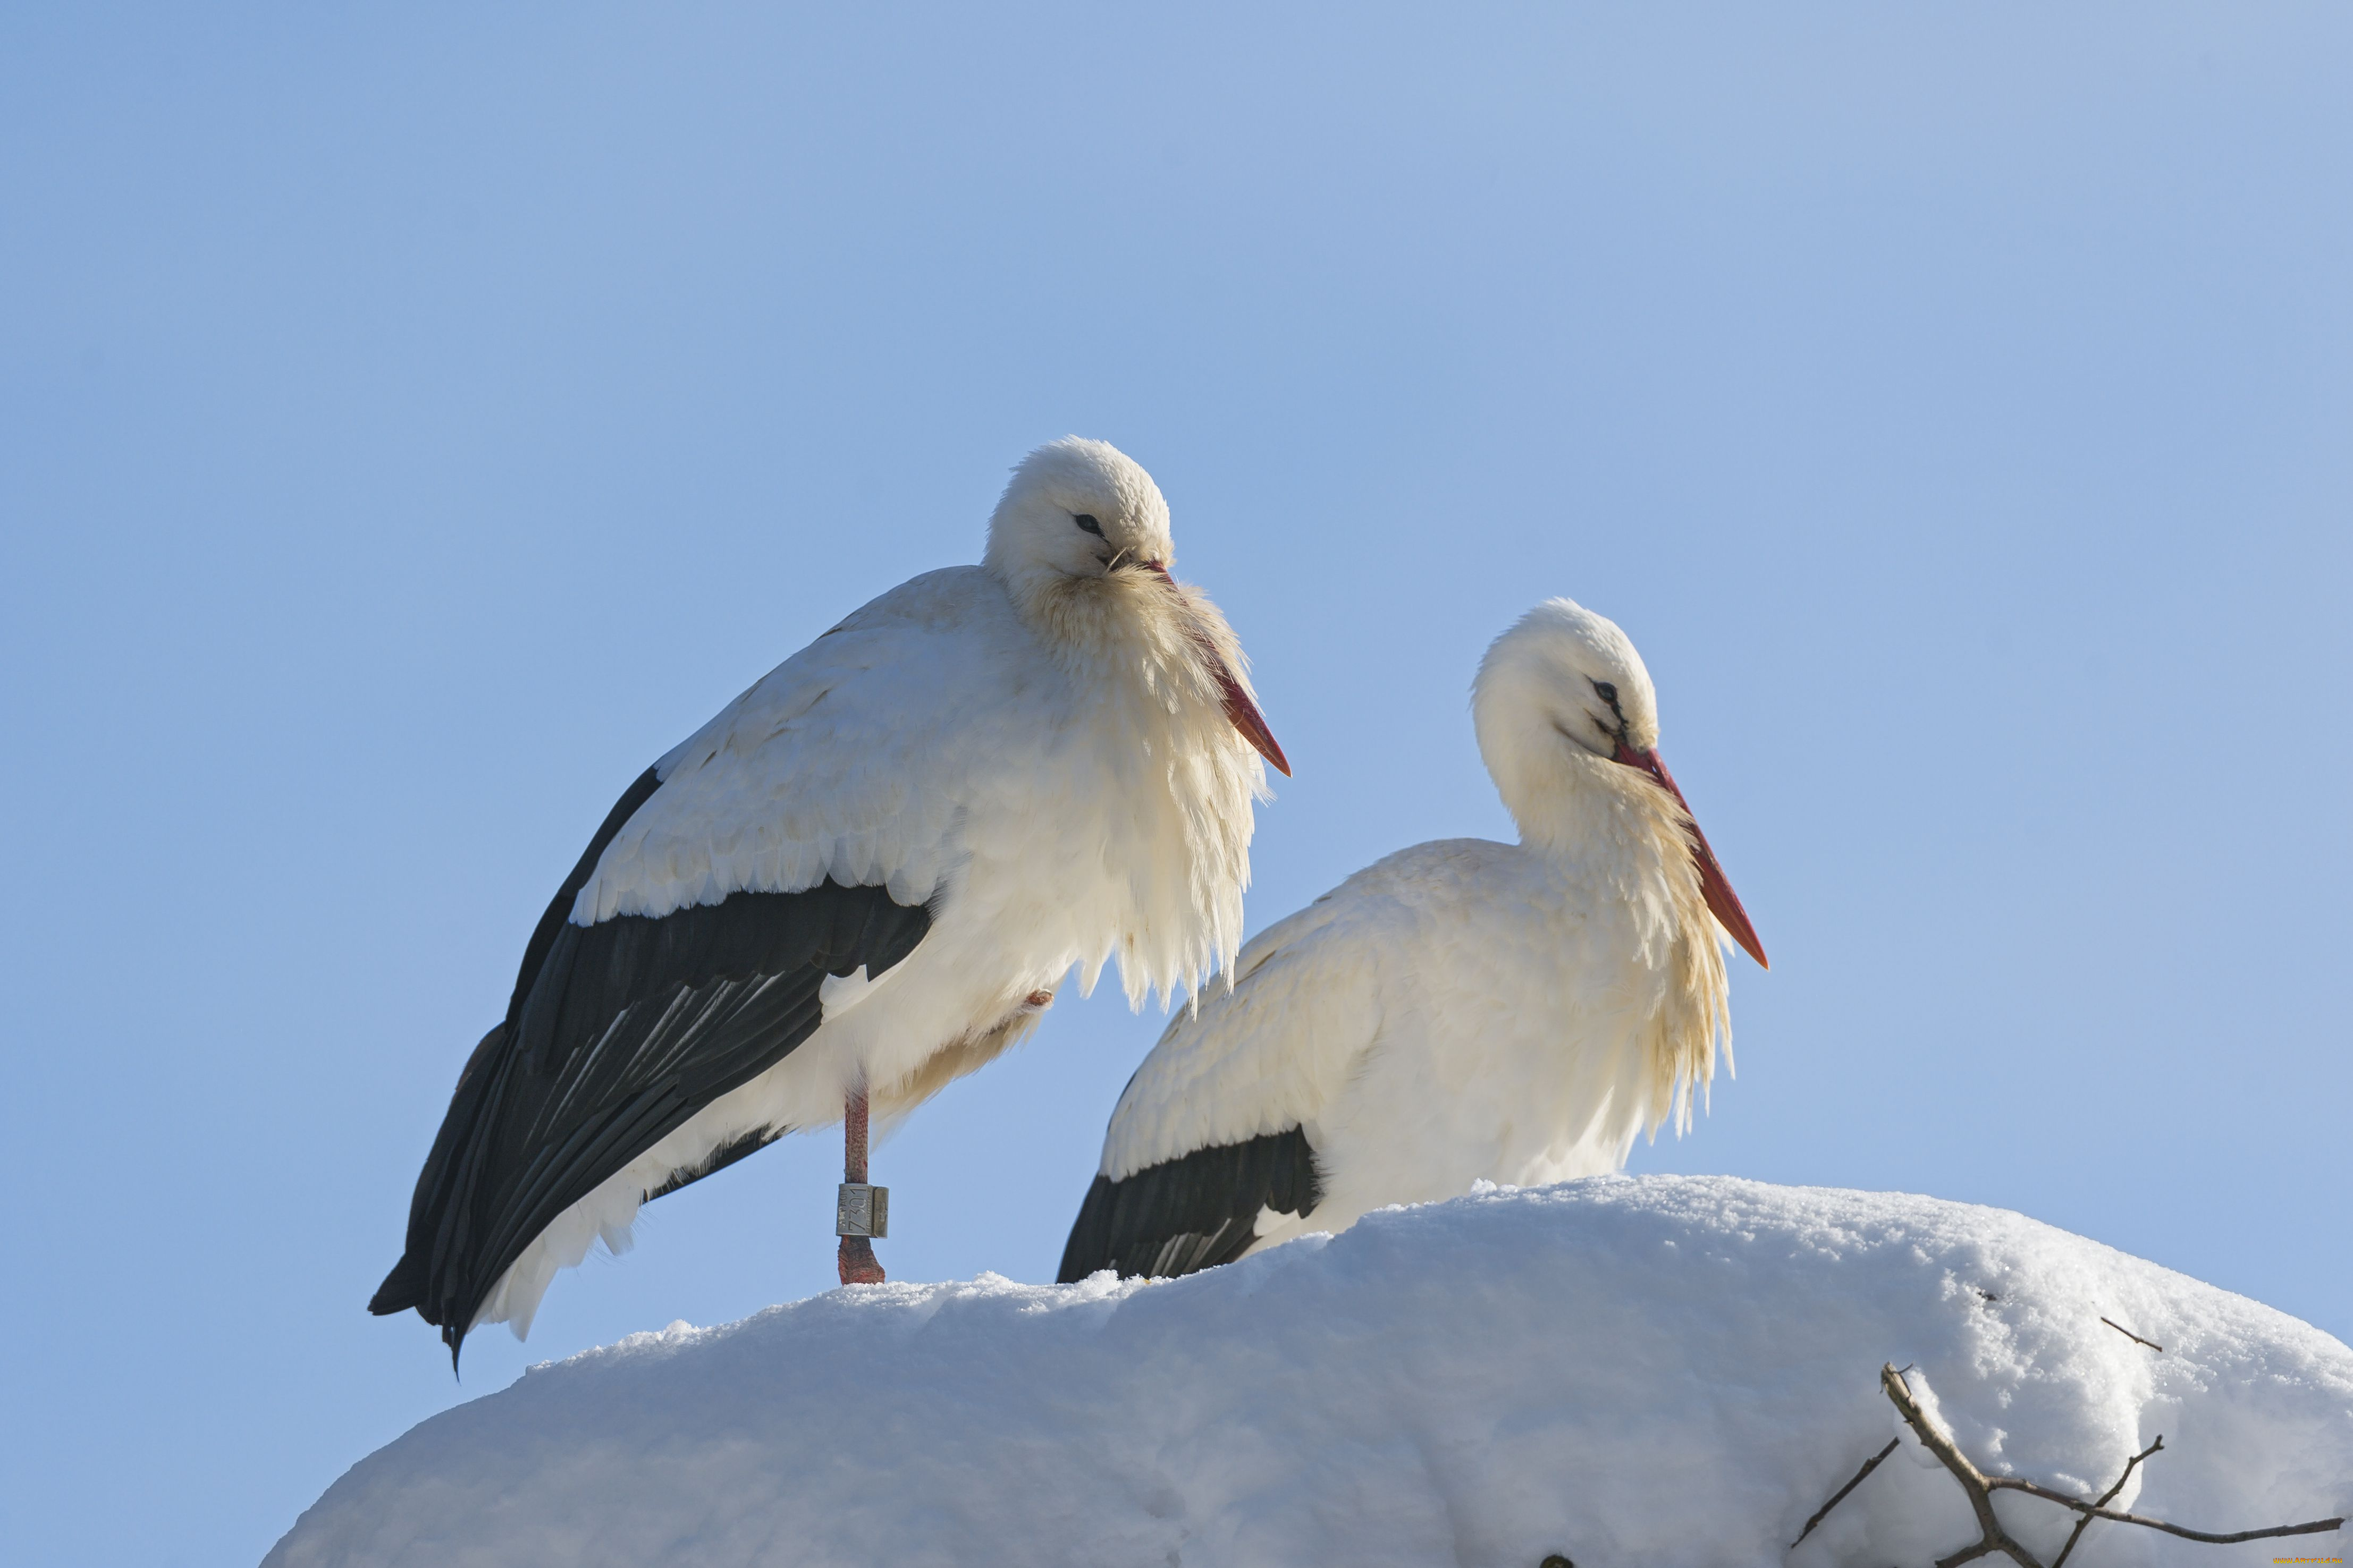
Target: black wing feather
pixel 618 1033
pixel 559 908
pixel 1193 1213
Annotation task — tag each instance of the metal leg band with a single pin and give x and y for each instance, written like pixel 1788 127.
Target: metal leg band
pixel 862 1210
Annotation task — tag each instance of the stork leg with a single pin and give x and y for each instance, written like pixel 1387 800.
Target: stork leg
pixel 857 1253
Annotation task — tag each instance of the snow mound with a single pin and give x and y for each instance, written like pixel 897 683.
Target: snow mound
pixel 1661 1370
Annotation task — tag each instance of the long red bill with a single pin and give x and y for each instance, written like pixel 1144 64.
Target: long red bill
pixel 1240 712
pixel 1246 717
pixel 1722 901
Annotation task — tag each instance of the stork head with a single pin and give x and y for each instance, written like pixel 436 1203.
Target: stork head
pixel 1080 509
pixel 1565 669
pixel 1081 539
pixel 1562 694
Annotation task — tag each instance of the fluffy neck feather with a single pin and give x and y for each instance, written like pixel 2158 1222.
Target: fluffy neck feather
pixel 1627 840
pixel 1133 644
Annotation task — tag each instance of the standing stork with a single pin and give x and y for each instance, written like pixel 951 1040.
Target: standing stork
pixel 861 881
pixel 1460 1010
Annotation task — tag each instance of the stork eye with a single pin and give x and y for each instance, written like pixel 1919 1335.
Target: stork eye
pixel 1089 523
pixel 1607 693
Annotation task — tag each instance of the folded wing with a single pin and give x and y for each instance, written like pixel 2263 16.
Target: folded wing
pixel 807 832
pixel 1216 1125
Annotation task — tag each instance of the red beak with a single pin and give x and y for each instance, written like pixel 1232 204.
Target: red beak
pixel 1240 712
pixel 1722 901
pixel 1246 717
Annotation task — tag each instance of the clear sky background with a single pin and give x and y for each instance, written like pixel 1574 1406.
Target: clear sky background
pixel 413 421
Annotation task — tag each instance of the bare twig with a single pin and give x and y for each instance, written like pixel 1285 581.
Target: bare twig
pixel 1991 1536
pixel 1839 1496
pixel 2134 1337
pixel 2108 1497
pixel 2312 1527
pixel 1980 1487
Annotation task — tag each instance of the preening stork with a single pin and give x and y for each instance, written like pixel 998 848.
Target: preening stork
pixel 862 879
pixel 1460 1010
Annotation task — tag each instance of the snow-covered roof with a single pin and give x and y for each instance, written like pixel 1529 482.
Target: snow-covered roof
pixel 1663 1370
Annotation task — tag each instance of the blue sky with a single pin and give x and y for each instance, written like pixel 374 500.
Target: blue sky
pixel 413 421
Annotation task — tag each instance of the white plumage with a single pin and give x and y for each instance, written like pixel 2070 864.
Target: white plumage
pixel 1052 753
pixel 1462 1010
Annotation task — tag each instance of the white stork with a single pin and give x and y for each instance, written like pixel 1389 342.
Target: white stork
pixel 1460 1010
pixel 862 879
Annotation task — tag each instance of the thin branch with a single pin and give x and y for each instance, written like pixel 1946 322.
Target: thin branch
pixel 2134 1337
pixel 1839 1496
pixel 2312 1527
pixel 1980 1487
pixel 2106 1498
pixel 1992 1537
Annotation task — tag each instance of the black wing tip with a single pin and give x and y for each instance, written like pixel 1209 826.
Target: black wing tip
pixel 1088 1251
pixel 469 1184
pixel 1195 1212
pixel 402 1289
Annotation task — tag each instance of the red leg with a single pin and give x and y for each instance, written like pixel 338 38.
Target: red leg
pixel 856 1256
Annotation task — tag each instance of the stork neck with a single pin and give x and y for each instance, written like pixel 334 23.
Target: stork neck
pixel 1620 836
pixel 1175 781
pixel 1123 634
pixel 1572 804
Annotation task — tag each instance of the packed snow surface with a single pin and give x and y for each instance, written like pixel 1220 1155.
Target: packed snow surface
pixel 1662 1371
